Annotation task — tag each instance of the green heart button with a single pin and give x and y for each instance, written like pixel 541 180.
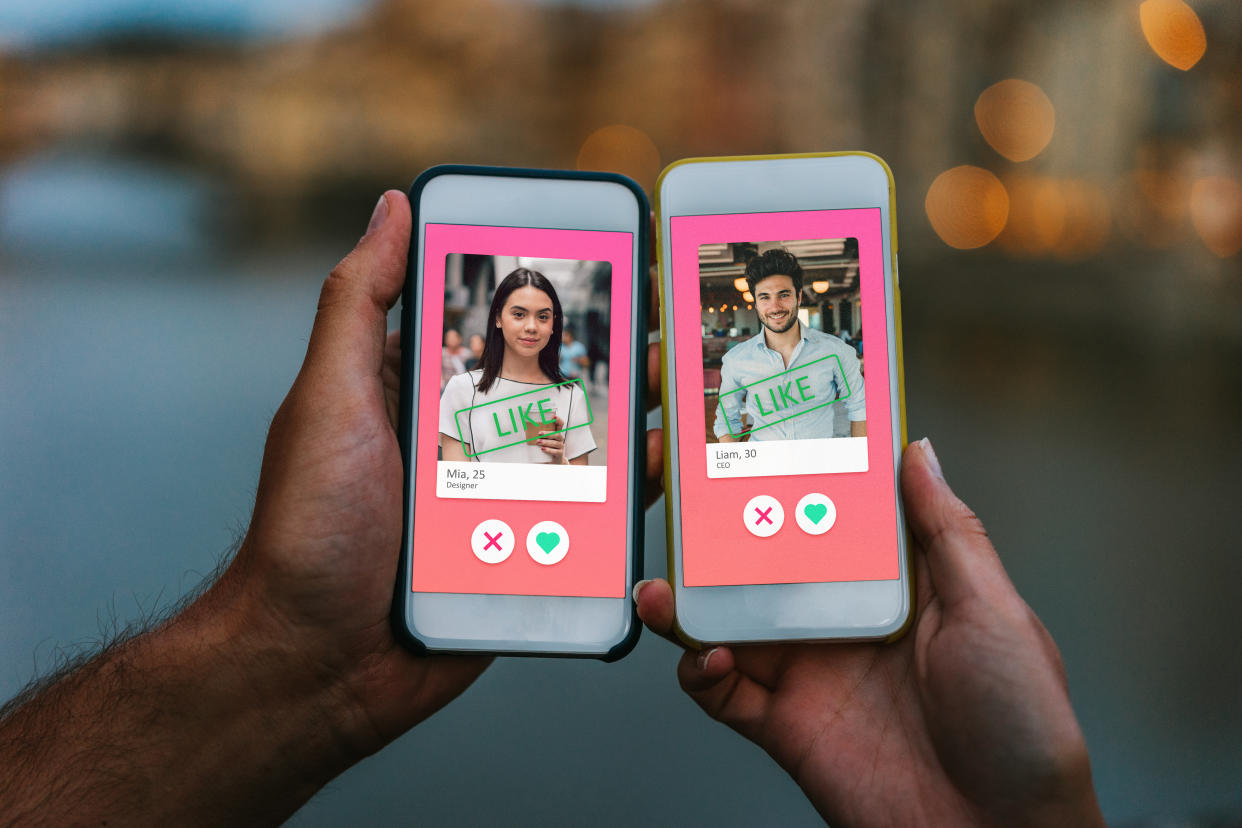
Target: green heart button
pixel 548 540
pixel 814 511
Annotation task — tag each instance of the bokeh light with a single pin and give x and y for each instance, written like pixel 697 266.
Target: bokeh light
pixel 1016 118
pixel 1088 220
pixel 1152 204
pixel 1036 216
pixel 1060 218
pixel 622 149
pixel 1173 31
pixel 967 206
pixel 1216 212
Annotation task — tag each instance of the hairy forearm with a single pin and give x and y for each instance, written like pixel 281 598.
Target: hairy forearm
pixel 203 720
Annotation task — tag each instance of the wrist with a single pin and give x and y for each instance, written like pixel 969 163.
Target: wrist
pixel 1066 798
pixel 278 724
pixel 203 720
pixel 282 664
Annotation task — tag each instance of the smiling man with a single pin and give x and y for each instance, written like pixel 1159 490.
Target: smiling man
pixel 786 377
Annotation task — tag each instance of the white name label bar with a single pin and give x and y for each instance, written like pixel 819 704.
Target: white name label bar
pixel 772 458
pixel 521 481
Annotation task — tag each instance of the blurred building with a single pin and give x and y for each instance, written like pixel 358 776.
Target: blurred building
pixel 303 131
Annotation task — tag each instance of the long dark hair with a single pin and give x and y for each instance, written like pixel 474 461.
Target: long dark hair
pixel 494 342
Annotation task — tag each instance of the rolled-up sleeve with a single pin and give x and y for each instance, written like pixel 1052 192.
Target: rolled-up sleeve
pixel 729 410
pixel 856 403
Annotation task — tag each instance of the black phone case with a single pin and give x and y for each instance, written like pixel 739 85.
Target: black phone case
pixel 638 412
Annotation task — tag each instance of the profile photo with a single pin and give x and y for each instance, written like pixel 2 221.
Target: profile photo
pixel 782 340
pixel 524 360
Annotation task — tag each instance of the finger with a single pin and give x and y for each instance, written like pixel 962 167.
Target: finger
pixel 923 591
pixel 654 599
pixel 655 466
pixel 653 375
pixel 962 562
pixel 348 337
pixel 724 693
pixel 766 663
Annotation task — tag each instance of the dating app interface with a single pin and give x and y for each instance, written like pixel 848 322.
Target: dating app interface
pixel 784 431
pixel 523 412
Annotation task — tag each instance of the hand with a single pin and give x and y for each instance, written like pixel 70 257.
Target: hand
pixel 553 444
pixel 285 672
pixel 321 553
pixel 966 719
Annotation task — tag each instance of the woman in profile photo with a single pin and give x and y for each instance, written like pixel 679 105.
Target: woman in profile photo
pixel 489 414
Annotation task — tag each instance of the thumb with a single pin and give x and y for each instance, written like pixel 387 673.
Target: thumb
pixel 961 560
pixel 350 325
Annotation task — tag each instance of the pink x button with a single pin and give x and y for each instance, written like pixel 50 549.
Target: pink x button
pixel 763 516
pixel 492 541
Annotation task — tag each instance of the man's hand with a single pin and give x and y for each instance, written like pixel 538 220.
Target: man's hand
pixel 285 672
pixel 322 548
pixel 965 720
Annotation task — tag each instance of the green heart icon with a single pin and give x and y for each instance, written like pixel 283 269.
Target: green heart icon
pixel 815 511
pixel 547 541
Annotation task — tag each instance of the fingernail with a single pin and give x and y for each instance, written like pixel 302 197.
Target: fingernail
pixel 933 462
pixel 638 587
pixel 378 214
pixel 704 658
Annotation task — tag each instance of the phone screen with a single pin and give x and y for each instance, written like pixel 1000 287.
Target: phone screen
pixel 521 442
pixel 785 438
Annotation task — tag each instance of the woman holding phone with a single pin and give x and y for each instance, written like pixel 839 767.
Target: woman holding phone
pixel 517 407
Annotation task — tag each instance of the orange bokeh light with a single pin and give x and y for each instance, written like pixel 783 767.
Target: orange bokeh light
pixel 1036 216
pixel 622 149
pixel 1016 118
pixel 1173 31
pixel 1088 220
pixel 1064 218
pixel 1216 212
pixel 1152 205
pixel 967 206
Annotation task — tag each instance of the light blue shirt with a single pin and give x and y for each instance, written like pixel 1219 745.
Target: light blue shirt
pixel 569 353
pixel 783 402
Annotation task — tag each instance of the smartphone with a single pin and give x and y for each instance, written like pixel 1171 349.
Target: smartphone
pixel 782 390
pixel 523 335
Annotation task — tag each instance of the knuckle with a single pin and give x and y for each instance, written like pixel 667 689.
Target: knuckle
pixel 967 520
pixel 335 287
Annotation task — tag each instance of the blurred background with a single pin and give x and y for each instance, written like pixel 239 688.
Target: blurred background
pixel 176 179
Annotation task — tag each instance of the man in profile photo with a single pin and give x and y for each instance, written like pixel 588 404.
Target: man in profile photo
pixel 759 377
pixel 574 361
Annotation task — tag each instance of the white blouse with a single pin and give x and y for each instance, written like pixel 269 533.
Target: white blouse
pixel 490 425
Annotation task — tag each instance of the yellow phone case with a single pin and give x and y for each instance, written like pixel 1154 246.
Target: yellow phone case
pixel 664 357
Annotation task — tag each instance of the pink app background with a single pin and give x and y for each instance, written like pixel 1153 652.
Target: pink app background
pixel 716 548
pixel 442 560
